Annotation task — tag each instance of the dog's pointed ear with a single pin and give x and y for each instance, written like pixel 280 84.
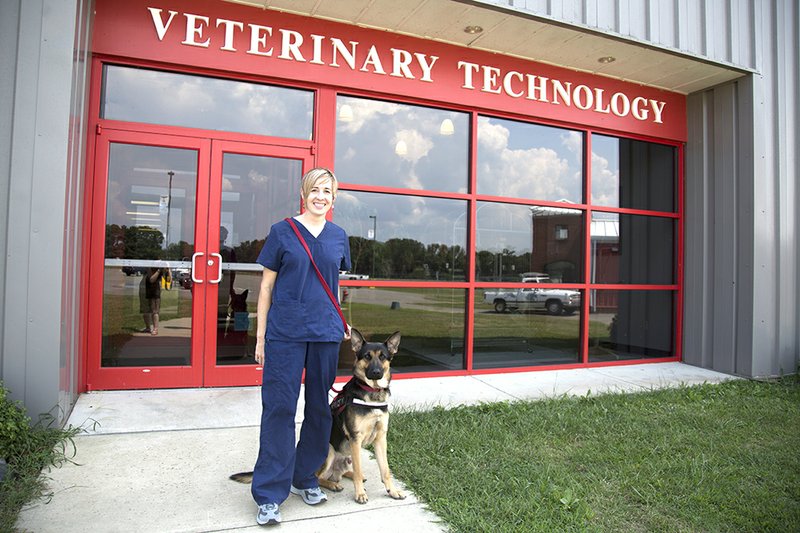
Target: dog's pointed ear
pixel 245 293
pixel 356 339
pixel 393 343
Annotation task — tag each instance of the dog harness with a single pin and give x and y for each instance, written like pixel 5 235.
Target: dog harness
pixel 342 399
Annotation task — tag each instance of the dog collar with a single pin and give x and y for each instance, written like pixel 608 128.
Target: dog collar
pixel 358 401
pixel 368 388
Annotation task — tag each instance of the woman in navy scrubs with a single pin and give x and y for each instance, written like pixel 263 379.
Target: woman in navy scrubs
pixel 298 328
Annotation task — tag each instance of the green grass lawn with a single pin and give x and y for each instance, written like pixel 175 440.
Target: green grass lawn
pixel 706 458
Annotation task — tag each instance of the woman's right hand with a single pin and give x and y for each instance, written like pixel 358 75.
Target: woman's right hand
pixel 260 352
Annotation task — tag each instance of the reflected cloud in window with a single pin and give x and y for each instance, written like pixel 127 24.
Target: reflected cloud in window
pixel 401 146
pixel 521 160
pixel 172 99
pixel 633 174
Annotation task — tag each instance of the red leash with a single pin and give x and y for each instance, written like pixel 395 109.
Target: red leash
pixel 319 274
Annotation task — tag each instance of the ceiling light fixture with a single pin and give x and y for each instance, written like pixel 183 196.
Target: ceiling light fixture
pixel 472 30
pixel 346 113
pixel 447 127
pixel 605 60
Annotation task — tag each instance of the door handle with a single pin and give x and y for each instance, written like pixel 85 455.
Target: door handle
pixel 194 266
pixel 219 268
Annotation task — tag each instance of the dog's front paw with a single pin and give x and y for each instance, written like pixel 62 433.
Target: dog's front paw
pixel 396 494
pixel 361 497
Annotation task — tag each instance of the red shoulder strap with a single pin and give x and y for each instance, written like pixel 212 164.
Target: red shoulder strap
pixel 319 274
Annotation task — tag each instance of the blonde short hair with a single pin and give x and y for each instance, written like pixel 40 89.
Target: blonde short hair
pixel 315 175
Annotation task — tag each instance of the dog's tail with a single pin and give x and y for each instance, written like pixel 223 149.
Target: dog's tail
pixel 242 477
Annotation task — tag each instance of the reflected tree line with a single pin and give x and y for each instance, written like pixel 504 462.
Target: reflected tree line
pixel 395 258
pixel 412 259
pixel 143 242
pixel 406 259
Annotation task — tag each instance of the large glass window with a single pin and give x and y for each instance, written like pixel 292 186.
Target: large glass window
pixel 171 99
pixel 150 229
pixel 401 146
pixel 523 228
pixel 530 161
pixel 632 249
pixel 514 242
pixel 404 237
pixel 631 325
pixel 633 174
pixel 533 327
pixel 431 321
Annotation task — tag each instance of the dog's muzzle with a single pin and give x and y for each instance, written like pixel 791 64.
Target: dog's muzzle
pixel 374 371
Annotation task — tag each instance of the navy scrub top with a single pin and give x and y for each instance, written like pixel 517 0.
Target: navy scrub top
pixel 301 310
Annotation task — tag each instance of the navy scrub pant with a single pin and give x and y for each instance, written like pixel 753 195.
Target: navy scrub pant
pixel 281 464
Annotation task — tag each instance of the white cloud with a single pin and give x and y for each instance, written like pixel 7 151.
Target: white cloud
pixel 605 182
pixel 523 173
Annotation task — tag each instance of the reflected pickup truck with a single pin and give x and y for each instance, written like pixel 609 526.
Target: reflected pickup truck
pixel 554 301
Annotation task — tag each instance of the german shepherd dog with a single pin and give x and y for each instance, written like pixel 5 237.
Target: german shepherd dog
pixel 360 418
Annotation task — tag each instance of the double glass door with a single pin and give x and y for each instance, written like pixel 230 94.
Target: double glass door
pixel 177 226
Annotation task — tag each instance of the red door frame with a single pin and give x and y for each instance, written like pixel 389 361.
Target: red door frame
pixel 99 377
pixel 233 375
pixel 203 370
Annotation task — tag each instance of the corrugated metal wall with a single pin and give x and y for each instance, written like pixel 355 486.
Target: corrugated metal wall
pixel 720 30
pixel 41 146
pixel 742 275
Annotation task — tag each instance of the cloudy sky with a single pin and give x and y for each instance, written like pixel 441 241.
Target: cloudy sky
pixel 194 101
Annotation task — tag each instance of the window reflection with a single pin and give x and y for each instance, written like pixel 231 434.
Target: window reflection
pixel 172 99
pixel 533 334
pixel 632 249
pixel 518 241
pixel 401 146
pixel 404 237
pixel 257 191
pixel 521 160
pixel 631 325
pixel 150 218
pixel 431 322
pixel 633 174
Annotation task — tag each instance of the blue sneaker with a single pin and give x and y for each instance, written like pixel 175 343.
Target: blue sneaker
pixel 312 496
pixel 268 514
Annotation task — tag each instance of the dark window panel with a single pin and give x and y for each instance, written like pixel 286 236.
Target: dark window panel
pixel 632 249
pixel 631 325
pixel 633 174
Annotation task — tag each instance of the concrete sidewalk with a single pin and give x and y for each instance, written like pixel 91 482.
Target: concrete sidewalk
pixel 159 460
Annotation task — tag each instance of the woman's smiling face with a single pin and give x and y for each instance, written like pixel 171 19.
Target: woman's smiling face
pixel 320 198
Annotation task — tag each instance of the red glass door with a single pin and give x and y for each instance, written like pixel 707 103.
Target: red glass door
pixel 177 224
pixel 252 187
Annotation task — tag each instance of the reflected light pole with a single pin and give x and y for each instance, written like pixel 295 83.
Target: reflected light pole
pixel 374 239
pixel 169 204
